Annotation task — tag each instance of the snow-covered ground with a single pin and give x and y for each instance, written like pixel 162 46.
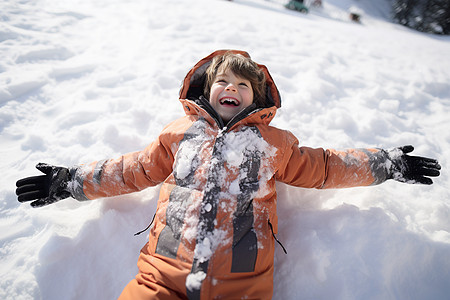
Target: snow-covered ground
pixel 84 80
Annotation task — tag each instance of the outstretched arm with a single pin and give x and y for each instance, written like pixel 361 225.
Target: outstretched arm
pixel 374 166
pixel 319 168
pixel 129 173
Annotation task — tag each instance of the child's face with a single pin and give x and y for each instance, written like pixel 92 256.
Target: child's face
pixel 230 94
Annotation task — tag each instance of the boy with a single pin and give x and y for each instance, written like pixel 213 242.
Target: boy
pixel 213 234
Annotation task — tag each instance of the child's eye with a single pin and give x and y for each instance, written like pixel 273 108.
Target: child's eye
pixel 243 84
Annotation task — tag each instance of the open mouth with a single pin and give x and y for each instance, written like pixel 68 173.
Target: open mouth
pixel 229 101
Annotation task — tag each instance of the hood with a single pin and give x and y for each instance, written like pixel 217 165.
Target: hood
pixel 194 81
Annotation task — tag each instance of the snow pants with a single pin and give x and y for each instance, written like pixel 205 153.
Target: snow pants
pixel 137 291
pixel 164 278
pixel 157 279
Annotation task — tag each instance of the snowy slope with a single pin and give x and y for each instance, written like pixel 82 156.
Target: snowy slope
pixel 85 80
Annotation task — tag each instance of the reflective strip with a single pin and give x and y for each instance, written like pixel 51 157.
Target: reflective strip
pixel 245 245
pixel 169 238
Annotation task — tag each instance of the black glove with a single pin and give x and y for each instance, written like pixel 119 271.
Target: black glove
pixel 411 169
pixel 44 189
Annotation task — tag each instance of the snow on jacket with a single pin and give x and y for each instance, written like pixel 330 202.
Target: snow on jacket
pixel 213 232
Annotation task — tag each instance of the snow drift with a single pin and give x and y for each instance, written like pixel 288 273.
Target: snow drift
pixel 86 80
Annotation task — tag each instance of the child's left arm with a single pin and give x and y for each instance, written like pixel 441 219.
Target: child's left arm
pixel 361 167
pixel 374 166
pixel 319 168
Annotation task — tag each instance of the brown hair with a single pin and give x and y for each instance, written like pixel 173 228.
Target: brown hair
pixel 241 66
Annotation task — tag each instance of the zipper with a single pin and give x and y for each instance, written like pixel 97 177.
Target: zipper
pixel 240 116
pixel 213 113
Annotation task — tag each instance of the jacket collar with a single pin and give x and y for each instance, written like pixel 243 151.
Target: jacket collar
pixel 249 116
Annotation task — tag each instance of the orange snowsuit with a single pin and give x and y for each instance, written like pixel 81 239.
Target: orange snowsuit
pixel 213 232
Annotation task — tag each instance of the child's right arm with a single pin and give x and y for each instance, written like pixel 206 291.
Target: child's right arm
pixel 129 173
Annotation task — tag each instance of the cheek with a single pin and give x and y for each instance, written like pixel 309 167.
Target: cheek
pixel 248 97
pixel 213 93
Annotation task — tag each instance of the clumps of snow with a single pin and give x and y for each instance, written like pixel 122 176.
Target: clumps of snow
pixel 207 207
pixel 203 252
pixel 185 160
pixel 238 146
pixel 234 188
pixel 194 280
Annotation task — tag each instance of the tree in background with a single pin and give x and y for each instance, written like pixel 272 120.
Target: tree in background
pixel 432 16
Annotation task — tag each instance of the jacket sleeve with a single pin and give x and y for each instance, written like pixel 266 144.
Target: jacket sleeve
pixel 129 173
pixel 320 168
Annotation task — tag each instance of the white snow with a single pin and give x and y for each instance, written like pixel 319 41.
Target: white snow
pixel 194 280
pixel 87 80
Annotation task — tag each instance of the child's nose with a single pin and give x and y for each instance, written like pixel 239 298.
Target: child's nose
pixel 231 87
